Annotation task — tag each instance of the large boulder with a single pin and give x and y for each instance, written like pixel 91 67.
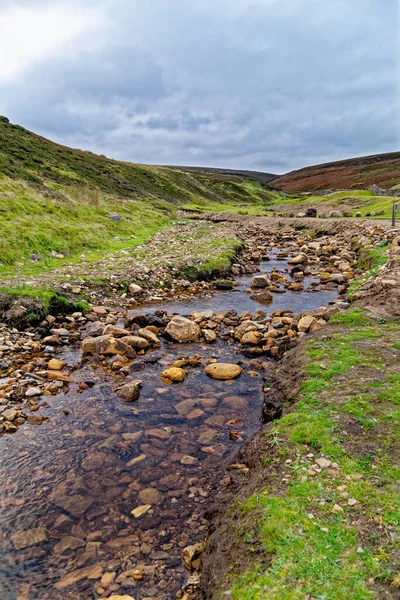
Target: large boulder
pixel 311 212
pixel 305 323
pixel 183 330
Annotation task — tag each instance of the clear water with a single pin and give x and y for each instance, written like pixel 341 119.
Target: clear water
pixel 83 463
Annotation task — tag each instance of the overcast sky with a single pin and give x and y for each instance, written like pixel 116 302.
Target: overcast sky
pixel 271 85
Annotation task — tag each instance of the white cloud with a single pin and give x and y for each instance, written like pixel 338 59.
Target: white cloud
pixel 261 84
pixel 29 34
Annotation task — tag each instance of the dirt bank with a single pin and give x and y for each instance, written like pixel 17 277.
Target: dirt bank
pixel 326 465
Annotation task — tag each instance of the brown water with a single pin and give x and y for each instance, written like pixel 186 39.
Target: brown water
pixel 75 477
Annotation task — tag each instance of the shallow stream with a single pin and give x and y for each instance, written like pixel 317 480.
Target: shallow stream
pixel 75 479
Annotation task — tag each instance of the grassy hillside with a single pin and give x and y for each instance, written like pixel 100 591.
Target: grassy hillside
pixel 57 199
pixel 234 173
pixel 355 173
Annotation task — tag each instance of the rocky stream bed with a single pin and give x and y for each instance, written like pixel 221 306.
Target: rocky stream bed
pixel 116 427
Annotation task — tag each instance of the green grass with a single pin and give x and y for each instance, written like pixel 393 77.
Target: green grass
pixel 356 201
pixel 233 208
pixel 54 198
pixel 27 156
pixel 308 549
pixel 370 260
pixel 48 301
pixel 33 223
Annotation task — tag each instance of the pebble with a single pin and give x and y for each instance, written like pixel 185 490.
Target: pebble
pixel 139 511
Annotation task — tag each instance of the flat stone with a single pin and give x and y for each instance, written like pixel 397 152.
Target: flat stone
pixel 260 281
pixel 195 414
pixel 111 345
pixel 59 376
pixel 35 420
pixel 114 331
pixel 209 335
pixel 251 337
pixel 184 407
pixel 136 342
pixel 93 572
pixel 149 496
pixel 30 537
pixel 132 436
pixel 263 296
pixel 68 542
pixel 55 365
pixel 188 460
pixel 136 460
pixel 89 344
pixel 140 510
pixel 298 260
pixel 305 323
pixel 150 336
pixel 76 505
pixel 33 391
pixel 134 288
pixel 9 414
pixel 108 579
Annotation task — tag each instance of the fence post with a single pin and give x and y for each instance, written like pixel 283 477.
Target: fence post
pixel 394 211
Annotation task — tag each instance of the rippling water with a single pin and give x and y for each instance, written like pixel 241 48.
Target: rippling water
pixel 68 486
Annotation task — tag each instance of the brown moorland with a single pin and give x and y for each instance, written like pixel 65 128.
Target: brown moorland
pixel 358 173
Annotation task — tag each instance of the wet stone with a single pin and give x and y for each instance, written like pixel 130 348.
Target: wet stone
pixel 83 474
pixel 75 505
pixel 223 371
pixel 29 537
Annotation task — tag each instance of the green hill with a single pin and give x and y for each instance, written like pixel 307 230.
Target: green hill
pixel 58 199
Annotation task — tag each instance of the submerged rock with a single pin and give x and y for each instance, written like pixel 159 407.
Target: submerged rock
pixel 264 297
pixel 130 391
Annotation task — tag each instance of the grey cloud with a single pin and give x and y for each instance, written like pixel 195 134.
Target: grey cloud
pixel 250 84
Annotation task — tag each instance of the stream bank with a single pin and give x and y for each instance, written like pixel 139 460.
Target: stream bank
pixel 312 506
